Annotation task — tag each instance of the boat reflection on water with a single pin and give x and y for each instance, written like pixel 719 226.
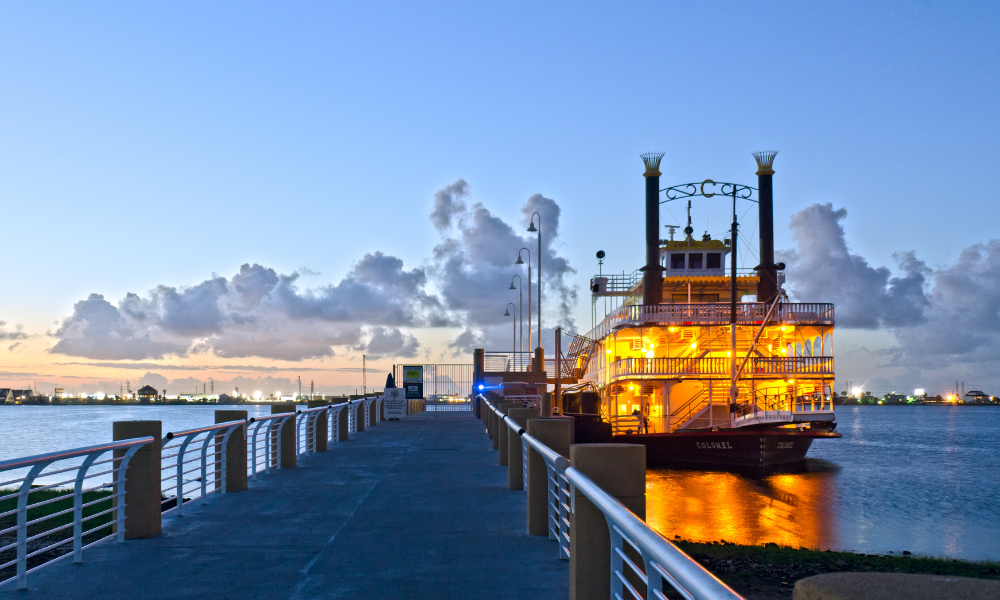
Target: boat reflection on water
pixel 789 507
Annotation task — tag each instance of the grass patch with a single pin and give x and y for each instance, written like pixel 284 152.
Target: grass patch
pixel 94 528
pixel 770 571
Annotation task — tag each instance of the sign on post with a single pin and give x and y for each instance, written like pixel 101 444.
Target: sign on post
pixel 413 381
pixel 395 403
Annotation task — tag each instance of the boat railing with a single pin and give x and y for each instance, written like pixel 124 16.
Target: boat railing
pixel 717 366
pixel 712 313
pixel 662 567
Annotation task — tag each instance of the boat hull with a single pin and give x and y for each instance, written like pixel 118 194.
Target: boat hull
pixel 755 448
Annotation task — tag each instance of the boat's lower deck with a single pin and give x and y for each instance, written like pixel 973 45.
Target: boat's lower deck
pixel 758 448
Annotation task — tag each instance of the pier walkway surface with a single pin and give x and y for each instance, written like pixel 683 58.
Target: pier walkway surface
pixel 416 508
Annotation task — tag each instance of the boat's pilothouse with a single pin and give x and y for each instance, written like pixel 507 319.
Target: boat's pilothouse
pixel 704 361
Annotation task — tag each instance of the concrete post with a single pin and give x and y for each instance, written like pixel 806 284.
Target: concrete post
pixel 515 466
pixel 554 433
pixel 344 415
pixel 321 426
pixel 619 470
pixel 142 479
pixel 382 410
pixel 359 415
pixel 502 434
pixel 236 452
pixel 289 453
pixel 372 413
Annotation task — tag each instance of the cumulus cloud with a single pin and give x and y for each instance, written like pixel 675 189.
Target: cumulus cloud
pixel 17 334
pixel 962 320
pixel 257 312
pixel 822 269
pixel 373 309
pixel 944 319
pixel 473 265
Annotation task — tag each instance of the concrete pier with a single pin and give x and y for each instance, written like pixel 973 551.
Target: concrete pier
pixel 415 508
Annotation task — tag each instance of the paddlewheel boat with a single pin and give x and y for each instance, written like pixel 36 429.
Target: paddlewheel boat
pixel 701 365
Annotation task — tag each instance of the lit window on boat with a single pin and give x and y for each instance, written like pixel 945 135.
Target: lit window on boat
pixel 677 261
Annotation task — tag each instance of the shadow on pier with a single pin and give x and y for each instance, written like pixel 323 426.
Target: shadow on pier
pixel 416 508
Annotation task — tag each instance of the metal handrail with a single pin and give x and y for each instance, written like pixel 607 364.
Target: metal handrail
pixel 276 420
pixel 37 465
pixel 213 447
pixel 664 565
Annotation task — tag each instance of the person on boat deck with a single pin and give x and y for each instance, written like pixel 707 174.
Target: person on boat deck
pixel 643 422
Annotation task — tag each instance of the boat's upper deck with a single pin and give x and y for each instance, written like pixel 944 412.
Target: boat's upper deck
pixel 711 314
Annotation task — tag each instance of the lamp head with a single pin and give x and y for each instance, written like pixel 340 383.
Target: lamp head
pixel 512 285
pixel 531 227
pixel 600 255
pixel 506 312
pixel 519 261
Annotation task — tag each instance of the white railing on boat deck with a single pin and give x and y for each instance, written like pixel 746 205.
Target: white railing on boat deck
pixel 712 313
pixel 716 366
pixel 507 362
pixel 662 566
pixel 27 544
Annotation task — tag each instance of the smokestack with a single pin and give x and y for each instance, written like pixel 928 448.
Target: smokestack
pixel 767 288
pixel 652 276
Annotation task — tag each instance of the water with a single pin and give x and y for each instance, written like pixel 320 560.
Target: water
pixel 917 478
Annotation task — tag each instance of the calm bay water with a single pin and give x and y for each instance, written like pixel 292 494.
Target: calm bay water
pixel 918 478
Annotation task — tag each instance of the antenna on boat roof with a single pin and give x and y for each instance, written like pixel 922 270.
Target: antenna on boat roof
pixel 672 229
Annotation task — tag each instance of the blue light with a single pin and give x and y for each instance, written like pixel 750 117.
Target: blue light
pixel 480 386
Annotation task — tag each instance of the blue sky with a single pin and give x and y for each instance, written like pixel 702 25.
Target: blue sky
pixel 146 145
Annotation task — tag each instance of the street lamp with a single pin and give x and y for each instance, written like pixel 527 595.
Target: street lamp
pixel 506 313
pixel 531 229
pixel 521 262
pixel 520 294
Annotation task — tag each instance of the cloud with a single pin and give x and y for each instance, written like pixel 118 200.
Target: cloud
pixel 945 321
pixel 822 269
pixel 17 334
pixel 448 202
pixel 257 312
pixel 473 267
pixel 962 321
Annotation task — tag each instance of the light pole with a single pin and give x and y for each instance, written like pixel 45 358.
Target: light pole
pixel 520 294
pixel 531 228
pixel 513 346
pixel 521 262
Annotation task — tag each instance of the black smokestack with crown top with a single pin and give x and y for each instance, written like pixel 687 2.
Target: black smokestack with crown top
pixel 652 277
pixel 767 288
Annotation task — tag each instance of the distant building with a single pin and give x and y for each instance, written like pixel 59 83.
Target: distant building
pixel 12 396
pixel 894 399
pixel 978 397
pixel 147 394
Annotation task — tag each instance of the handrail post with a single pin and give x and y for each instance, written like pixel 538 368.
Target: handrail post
pixel 502 433
pixel 287 440
pixel 556 434
pixel 515 468
pixel 141 479
pixel 359 415
pixel 619 470
pixel 321 440
pixel 343 423
pixel 236 453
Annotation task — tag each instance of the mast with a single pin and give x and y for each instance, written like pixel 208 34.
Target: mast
pixel 732 311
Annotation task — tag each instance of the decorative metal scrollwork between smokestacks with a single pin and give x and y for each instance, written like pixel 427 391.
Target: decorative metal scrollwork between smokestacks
pixel 714 188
